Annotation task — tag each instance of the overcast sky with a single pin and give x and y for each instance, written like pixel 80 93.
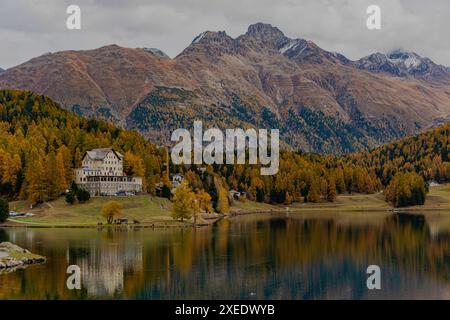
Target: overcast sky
pixel 29 28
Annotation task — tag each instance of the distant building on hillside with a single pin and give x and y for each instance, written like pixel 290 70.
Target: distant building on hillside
pixel 176 180
pixel 236 195
pixel 102 174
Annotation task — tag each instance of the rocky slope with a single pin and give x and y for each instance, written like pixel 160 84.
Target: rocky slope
pixel 320 100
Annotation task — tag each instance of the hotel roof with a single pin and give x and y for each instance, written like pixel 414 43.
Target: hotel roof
pixel 101 153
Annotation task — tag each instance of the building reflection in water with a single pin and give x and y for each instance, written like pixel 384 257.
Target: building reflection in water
pixel 295 256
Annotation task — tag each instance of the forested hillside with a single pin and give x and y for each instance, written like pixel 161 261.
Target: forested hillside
pixel 302 177
pixel 41 143
pixel 401 167
pixel 427 153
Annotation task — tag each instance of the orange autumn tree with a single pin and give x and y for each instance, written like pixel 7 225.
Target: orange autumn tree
pixel 185 204
pixel 111 210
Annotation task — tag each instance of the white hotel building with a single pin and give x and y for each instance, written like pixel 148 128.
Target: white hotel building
pixel 102 174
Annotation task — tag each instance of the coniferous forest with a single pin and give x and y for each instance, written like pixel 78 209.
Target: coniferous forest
pixel 41 143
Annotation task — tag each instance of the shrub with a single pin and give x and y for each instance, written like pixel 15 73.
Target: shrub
pixel 70 198
pixel 165 192
pixel 83 195
pixel 4 210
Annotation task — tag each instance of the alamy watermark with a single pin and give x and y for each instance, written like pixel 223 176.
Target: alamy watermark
pixel 236 143
pixel 374 280
pixel 373 22
pixel 74 280
pixel 73 21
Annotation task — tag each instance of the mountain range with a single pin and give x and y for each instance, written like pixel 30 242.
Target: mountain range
pixel 320 100
pixel 403 64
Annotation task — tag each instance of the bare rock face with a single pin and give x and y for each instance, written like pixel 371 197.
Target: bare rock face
pixel 320 100
pixel 12 257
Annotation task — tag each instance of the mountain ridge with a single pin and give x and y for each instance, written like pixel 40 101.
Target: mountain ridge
pixel 320 100
pixel 404 63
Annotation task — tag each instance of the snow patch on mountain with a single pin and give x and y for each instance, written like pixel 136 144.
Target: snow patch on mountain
pixel 412 62
pixel 403 63
pixel 408 60
pixel 198 38
pixel 156 51
pixel 296 44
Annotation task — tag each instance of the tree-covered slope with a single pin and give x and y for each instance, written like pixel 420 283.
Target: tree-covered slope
pixel 41 143
pixel 427 154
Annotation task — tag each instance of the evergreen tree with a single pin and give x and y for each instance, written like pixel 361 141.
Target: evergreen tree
pixel 53 179
pixel 4 210
pixel 70 198
pixel 331 190
pixel 314 192
pixel 83 195
pixel 223 204
pixel 406 189
pixel 61 175
pixel 204 201
pixel 35 181
pixel 166 192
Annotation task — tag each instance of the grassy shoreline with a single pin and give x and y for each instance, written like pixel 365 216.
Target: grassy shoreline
pixel 154 212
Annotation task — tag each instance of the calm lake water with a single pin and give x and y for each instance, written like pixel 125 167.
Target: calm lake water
pixel 279 256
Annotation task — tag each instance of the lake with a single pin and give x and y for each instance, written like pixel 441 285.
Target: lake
pixel 266 256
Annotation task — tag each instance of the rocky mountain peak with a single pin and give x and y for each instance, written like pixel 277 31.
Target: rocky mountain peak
pixel 410 60
pixel 211 44
pixel 403 63
pixel 264 32
pixel 157 52
pixel 110 47
pixel 212 37
pixel 401 54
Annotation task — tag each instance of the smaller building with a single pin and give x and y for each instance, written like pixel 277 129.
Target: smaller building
pixel 176 180
pixel 102 174
pixel 233 194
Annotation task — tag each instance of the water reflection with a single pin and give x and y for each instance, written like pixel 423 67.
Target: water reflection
pixel 267 256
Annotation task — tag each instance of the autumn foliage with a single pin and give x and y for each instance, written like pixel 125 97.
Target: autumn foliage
pixel 40 144
pixel 185 204
pixel 111 210
pixel 406 189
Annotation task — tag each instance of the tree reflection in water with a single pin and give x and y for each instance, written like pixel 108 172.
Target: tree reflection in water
pixel 265 256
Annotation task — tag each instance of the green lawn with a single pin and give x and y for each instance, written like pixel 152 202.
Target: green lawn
pixel 145 209
pixel 348 202
pixel 157 211
pixel 245 205
pixel 438 198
